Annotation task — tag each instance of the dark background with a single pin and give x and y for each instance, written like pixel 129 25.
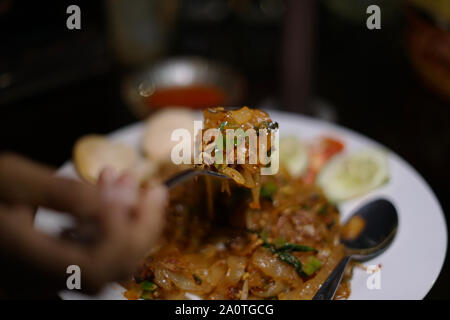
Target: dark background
pixel 57 84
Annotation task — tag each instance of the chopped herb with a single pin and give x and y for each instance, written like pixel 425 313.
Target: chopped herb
pixel 148 286
pixel 292 260
pixel 269 125
pixel 222 125
pixel 197 279
pixel 292 247
pixel 268 189
pixel 311 265
pixel 282 246
pixel 283 253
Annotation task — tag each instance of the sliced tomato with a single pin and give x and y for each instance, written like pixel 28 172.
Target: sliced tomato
pixel 320 153
pixel 331 146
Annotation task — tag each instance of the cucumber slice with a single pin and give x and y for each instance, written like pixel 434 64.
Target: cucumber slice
pixel 293 155
pixel 348 176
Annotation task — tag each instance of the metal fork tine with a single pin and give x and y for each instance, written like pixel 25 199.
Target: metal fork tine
pixel 189 173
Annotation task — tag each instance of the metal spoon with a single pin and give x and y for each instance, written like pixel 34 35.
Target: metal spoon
pixel 380 226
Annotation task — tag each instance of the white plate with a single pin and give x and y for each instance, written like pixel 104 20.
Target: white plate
pixel 411 264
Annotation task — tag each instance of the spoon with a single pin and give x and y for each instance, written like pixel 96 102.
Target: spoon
pixel 379 226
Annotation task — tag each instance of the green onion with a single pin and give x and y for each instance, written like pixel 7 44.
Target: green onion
pixel 292 260
pixel 281 245
pixel 222 125
pixel 148 286
pixel 269 125
pixel 283 253
pixel 292 247
pixel 311 265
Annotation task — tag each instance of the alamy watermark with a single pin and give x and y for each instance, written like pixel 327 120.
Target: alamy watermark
pixel 74 280
pixel 374 279
pixel 74 20
pixel 374 20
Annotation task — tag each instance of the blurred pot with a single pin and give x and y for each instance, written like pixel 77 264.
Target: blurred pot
pixel 185 81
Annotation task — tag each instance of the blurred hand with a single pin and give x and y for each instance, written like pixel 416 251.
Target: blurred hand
pixel 128 220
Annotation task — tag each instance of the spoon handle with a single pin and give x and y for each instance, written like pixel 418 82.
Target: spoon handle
pixel 329 287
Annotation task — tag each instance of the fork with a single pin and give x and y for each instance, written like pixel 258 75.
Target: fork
pixel 190 173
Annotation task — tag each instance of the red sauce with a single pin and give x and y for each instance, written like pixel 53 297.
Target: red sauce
pixel 191 96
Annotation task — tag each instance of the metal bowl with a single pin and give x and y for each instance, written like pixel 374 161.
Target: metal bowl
pixel 180 72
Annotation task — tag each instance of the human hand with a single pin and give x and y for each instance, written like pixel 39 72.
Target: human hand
pixel 128 221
